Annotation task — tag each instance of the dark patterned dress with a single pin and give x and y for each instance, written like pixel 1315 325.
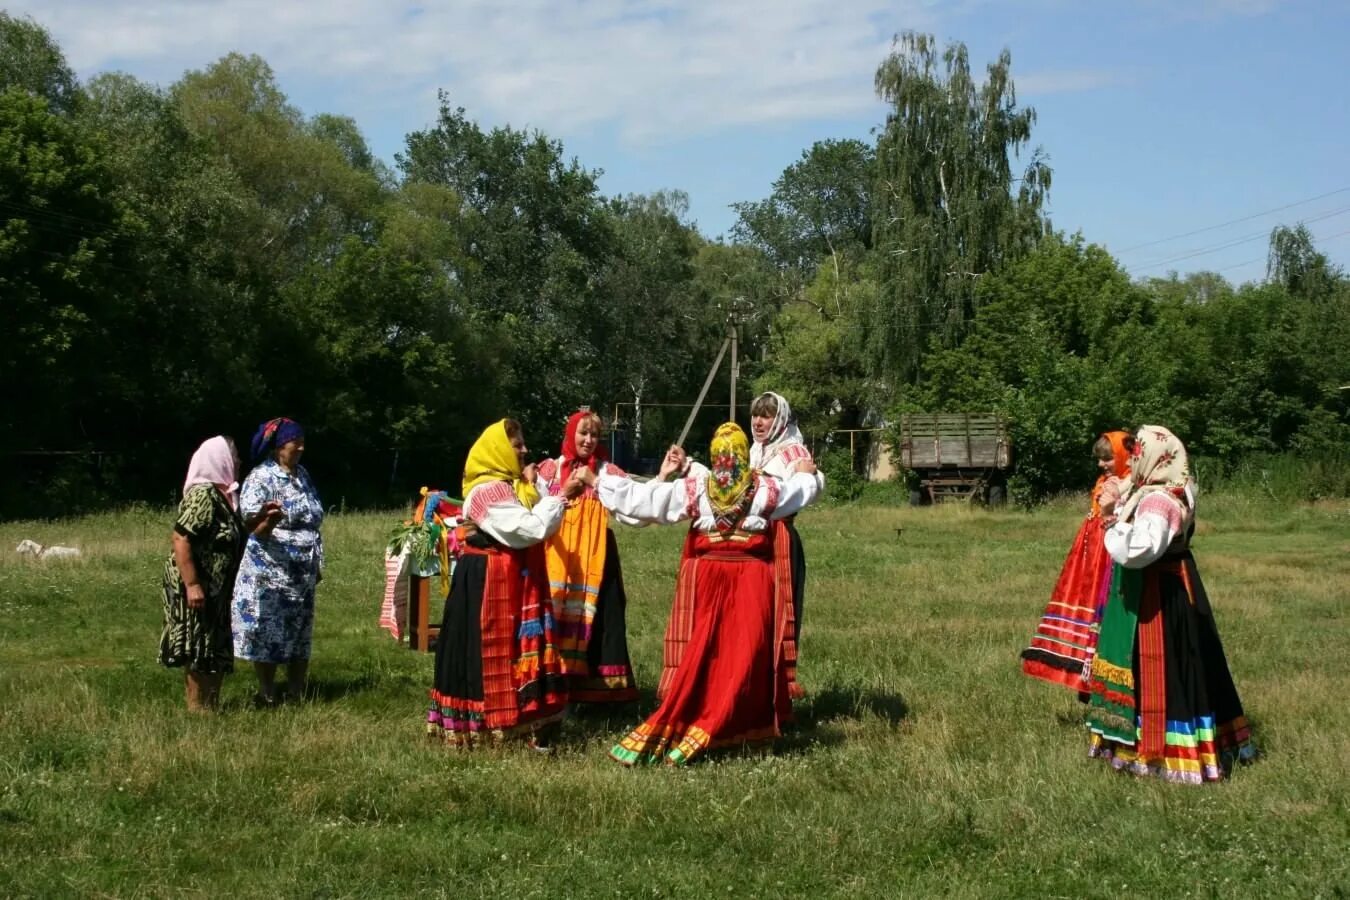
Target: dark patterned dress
pixel 200 638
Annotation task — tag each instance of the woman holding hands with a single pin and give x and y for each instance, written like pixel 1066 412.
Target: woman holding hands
pixel 730 648
pixel 273 613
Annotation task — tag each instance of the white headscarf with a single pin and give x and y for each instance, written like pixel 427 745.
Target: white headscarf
pixel 213 463
pixel 782 434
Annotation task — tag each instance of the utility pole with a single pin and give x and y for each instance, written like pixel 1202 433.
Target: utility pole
pixel 732 340
pixel 735 368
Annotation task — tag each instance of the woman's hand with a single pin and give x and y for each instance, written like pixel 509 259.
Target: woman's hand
pixel 805 466
pixel 1108 498
pixel 529 473
pixel 196 596
pixel 266 519
pixel 577 482
pixel 675 462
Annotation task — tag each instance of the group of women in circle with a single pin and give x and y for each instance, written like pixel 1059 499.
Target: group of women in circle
pixel 535 617
pixel 535 621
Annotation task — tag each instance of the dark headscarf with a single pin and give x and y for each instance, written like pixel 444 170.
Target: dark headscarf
pixel 274 433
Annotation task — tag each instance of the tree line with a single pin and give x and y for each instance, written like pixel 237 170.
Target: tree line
pixel 187 260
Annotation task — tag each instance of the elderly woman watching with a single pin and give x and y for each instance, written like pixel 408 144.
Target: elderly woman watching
pixel 273 612
pixel 208 540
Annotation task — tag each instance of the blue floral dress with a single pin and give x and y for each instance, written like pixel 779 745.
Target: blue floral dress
pixel 273 610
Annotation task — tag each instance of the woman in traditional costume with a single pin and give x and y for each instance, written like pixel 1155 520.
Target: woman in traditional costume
pixel 778 448
pixel 1163 701
pixel 730 649
pixel 273 613
pixel 498 673
pixel 585 575
pixel 1066 639
pixel 208 541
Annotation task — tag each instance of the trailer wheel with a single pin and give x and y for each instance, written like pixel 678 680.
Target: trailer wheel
pixel 916 497
pixel 998 495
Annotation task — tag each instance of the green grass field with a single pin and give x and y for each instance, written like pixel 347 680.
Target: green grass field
pixel 925 763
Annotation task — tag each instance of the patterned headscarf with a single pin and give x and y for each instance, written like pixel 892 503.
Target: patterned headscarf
pixel 491 458
pixel 571 459
pixel 730 480
pixel 274 433
pixel 783 433
pixel 1159 463
pixel 214 463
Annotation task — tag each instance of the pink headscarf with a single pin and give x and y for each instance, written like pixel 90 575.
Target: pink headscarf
pixel 213 463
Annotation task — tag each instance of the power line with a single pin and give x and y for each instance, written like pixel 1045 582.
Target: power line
pixel 1261 259
pixel 1235 221
pixel 1260 235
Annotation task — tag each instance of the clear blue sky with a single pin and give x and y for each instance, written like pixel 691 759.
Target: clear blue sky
pixel 1159 117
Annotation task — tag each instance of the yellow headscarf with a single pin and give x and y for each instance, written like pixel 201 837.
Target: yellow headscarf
pixel 491 458
pixel 730 476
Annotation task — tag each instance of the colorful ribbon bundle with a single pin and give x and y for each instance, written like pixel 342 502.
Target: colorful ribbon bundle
pixel 438 513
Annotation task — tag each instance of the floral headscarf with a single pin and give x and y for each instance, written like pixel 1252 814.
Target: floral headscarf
pixel 1159 463
pixel 571 459
pixel 783 433
pixel 491 458
pixel 730 479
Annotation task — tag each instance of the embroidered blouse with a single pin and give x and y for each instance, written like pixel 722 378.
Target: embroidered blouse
pixel 549 482
pixel 780 464
pixel 668 502
pixel 497 512
pixel 1156 526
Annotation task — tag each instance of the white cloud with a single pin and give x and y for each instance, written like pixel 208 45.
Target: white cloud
pixel 651 69
pixel 1067 81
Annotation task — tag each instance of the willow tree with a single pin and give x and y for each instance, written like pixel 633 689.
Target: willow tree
pixel 948 208
pixel 1294 263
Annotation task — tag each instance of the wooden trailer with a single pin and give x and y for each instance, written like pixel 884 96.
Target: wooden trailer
pixel 955 456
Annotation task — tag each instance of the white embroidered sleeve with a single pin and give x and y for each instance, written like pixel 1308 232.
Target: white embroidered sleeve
pixel 1140 543
pixel 697 470
pixel 517 527
pixel 650 502
pixel 614 471
pixel 796 492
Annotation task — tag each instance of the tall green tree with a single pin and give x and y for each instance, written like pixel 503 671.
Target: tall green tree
pixel 31 61
pixel 1295 263
pixel 949 207
pixel 820 208
pixel 533 241
pixel 660 324
pixel 63 236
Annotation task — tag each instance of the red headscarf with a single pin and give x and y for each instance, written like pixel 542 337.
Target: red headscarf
pixel 1120 465
pixel 1120 456
pixel 571 460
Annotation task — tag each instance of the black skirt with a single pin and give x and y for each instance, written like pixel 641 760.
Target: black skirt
pixel 797 557
pixel 610 678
